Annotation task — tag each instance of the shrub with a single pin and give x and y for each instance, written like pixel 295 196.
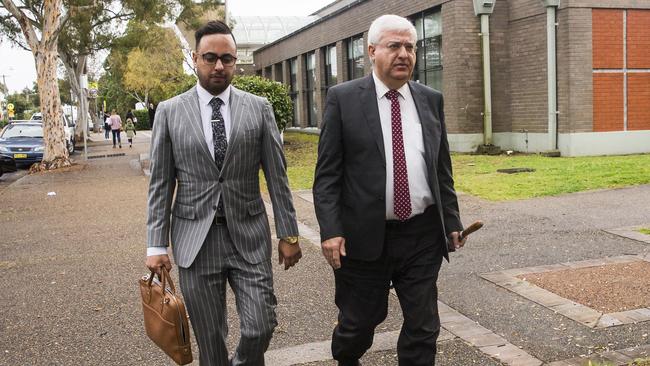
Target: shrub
pixel 143 119
pixel 3 122
pixel 276 93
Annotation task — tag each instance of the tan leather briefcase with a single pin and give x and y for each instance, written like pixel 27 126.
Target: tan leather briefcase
pixel 165 318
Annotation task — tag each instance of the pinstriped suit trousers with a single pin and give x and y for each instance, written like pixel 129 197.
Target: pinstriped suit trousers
pixel 203 285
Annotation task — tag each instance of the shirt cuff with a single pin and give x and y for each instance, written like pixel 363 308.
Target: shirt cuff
pixel 156 251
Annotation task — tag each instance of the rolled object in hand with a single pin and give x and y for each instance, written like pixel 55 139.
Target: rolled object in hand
pixel 470 229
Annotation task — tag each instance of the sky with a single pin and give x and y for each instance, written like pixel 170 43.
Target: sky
pixel 18 65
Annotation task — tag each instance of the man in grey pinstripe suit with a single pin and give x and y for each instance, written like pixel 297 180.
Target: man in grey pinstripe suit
pixel 207 148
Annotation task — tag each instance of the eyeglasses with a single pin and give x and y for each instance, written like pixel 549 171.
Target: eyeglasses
pixel 396 46
pixel 212 58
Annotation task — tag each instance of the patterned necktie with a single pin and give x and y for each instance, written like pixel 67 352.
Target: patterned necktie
pixel 401 194
pixel 218 132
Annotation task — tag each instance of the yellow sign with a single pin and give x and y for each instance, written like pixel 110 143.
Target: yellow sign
pixel 10 107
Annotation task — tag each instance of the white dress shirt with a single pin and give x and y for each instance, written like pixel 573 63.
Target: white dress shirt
pixel 416 166
pixel 206 116
pixel 206 113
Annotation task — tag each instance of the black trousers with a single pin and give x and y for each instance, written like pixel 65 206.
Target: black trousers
pixel 410 260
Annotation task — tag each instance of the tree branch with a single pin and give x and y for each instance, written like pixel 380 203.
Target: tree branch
pixel 24 22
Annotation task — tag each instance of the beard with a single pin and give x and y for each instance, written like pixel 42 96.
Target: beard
pixel 215 83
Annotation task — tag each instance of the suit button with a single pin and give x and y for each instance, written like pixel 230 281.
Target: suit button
pixel 220 180
pixel 214 207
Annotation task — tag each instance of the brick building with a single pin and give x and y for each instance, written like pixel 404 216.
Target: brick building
pixel 602 55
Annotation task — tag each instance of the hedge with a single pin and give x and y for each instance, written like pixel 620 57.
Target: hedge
pixel 276 93
pixel 143 119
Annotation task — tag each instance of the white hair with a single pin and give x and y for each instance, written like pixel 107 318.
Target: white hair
pixel 389 22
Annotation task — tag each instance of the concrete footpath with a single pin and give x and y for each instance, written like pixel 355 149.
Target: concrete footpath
pixel 69 265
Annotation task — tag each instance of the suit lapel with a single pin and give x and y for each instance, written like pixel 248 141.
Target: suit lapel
pixel 237 108
pixel 371 112
pixel 427 120
pixel 193 111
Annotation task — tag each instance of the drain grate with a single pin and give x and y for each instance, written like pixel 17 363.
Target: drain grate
pixel 106 156
pixel 515 170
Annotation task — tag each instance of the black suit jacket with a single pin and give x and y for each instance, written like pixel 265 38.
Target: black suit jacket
pixel 350 182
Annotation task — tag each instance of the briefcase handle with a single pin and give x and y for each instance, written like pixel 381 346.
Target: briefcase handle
pixel 164 278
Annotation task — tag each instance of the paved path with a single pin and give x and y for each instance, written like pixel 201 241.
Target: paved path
pixel 69 265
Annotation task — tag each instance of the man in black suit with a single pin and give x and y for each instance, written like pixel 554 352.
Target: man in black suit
pixel 385 199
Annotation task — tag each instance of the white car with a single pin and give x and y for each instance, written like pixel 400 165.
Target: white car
pixel 68 129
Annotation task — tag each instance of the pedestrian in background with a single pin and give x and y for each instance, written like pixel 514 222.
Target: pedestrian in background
pixel 116 127
pixel 129 114
pixel 152 114
pixel 107 125
pixel 129 128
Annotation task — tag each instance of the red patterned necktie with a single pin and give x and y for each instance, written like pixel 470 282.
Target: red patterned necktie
pixel 401 194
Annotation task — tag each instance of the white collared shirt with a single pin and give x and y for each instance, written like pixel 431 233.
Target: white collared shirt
pixel 416 166
pixel 206 116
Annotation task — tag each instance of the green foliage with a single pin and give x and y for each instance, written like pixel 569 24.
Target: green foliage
pixel 146 45
pixel 143 119
pixel 156 66
pixel 25 102
pixel 3 123
pixel 276 93
pixel 646 231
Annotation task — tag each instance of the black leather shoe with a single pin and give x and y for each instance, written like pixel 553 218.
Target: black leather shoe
pixel 350 363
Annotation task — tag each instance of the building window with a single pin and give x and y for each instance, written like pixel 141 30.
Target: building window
pixel 293 89
pixel 355 57
pixel 278 73
pixel 310 89
pixel 621 69
pixel 331 72
pixel 428 67
pixel 267 72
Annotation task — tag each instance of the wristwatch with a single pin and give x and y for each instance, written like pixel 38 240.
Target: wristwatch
pixel 291 239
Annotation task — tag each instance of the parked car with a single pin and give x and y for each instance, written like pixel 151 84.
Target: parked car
pixel 23 141
pixel 7 164
pixel 68 129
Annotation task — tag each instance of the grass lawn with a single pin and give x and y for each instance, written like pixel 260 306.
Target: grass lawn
pixel 301 151
pixel 477 174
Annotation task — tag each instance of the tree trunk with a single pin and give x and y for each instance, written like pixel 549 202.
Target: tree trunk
pixel 74 74
pixel 48 90
pixel 45 57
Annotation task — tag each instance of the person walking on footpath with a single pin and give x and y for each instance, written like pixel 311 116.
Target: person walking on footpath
pixel 107 126
pixel 116 128
pixel 129 114
pixel 152 114
pixel 129 128
pixel 385 200
pixel 208 146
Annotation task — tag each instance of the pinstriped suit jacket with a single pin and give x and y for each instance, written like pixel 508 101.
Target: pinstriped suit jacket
pixel 181 161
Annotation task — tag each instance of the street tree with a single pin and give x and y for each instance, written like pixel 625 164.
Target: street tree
pixel 155 67
pixel 40 25
pixel 81 28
